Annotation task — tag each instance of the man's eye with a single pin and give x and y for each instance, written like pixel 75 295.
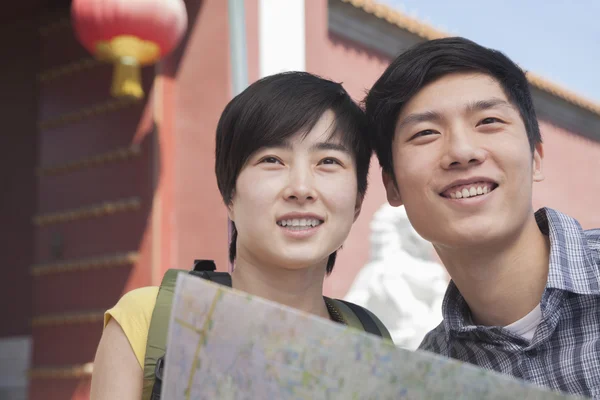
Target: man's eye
pixel 489 120
pixel 330 161
pixel 426 132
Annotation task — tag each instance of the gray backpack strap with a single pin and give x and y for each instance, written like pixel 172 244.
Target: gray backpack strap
pixel 361 318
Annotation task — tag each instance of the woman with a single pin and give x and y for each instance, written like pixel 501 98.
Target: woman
pixel 292 159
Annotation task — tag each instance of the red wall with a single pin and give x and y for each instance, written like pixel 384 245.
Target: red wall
pixel 65 344
pixel 572 170
pixel 197 87
pixel 181 216
pixel 18 157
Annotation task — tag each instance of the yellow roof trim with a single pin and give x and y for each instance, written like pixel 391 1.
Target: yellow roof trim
pixel 428 32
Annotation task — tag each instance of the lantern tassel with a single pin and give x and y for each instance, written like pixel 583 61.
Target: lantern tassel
pixel 127 79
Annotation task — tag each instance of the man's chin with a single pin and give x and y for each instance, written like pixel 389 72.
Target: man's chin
pixel 468 236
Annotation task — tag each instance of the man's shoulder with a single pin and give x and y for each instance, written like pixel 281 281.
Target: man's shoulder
pixel 569 234
pixel 590 239
pixel 435 341
pixel 566 223
pixel 593 238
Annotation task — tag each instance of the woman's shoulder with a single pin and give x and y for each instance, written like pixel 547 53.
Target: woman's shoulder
pixel 133 312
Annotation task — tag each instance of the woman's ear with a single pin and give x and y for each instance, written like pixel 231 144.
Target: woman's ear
pixel 230 212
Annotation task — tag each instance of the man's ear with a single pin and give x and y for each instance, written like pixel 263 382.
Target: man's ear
pixel 391 189
pixel 538 157
pixel 358 206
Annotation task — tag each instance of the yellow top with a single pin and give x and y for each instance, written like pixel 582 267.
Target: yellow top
pixel 134 312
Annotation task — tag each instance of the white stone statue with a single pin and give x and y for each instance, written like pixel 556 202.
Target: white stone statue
pixel 402 283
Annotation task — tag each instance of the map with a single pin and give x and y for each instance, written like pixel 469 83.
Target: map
pixel 225 344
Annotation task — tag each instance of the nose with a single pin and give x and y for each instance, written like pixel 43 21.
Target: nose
pixel 300 186
pixel 462 150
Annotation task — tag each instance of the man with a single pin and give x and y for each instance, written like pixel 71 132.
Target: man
pixel 457 137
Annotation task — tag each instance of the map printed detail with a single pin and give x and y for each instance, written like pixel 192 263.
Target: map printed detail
pixel 225 344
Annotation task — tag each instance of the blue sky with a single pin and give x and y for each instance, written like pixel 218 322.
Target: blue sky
pixel 557 39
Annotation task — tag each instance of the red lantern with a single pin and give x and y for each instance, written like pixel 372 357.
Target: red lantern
pixel 130 34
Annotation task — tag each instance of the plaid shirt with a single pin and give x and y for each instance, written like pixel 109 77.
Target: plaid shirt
pixel 564 353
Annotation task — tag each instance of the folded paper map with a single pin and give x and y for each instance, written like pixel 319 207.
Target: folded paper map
pixel 225 344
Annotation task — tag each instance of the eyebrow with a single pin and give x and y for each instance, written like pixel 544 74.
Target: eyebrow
pixel 483 105
pixel 434 116
pixel 285 145
pixel 415 118
pixel 329 146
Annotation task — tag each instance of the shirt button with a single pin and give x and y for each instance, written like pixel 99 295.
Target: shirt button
pixel 532 353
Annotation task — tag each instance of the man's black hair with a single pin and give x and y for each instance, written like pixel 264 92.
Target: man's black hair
pixel 428 61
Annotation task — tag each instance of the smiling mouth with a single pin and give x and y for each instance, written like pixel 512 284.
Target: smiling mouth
pixel 470 190
pixel 300 224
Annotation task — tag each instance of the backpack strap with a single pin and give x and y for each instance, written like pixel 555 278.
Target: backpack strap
pixel 222 278
pixel 206 269
pixel 360 318
pixel 159 324
pixel 157 336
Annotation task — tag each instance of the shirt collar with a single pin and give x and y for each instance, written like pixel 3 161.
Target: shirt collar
pixel 571 263
pixel 571 267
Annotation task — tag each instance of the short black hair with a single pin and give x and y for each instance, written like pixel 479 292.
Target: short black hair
pixel 424 63
pixel 275 108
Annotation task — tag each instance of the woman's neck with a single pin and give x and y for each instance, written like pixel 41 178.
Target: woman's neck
pixel 300 288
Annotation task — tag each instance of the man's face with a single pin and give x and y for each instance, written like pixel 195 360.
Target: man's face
pixel 463 164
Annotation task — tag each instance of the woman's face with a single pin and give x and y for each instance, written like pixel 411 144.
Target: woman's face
pixel 295 202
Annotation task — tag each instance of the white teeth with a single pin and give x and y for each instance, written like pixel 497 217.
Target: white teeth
pixel 465 193
pixel 299 223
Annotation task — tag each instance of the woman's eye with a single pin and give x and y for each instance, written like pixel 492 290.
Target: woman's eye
pixel 270 160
